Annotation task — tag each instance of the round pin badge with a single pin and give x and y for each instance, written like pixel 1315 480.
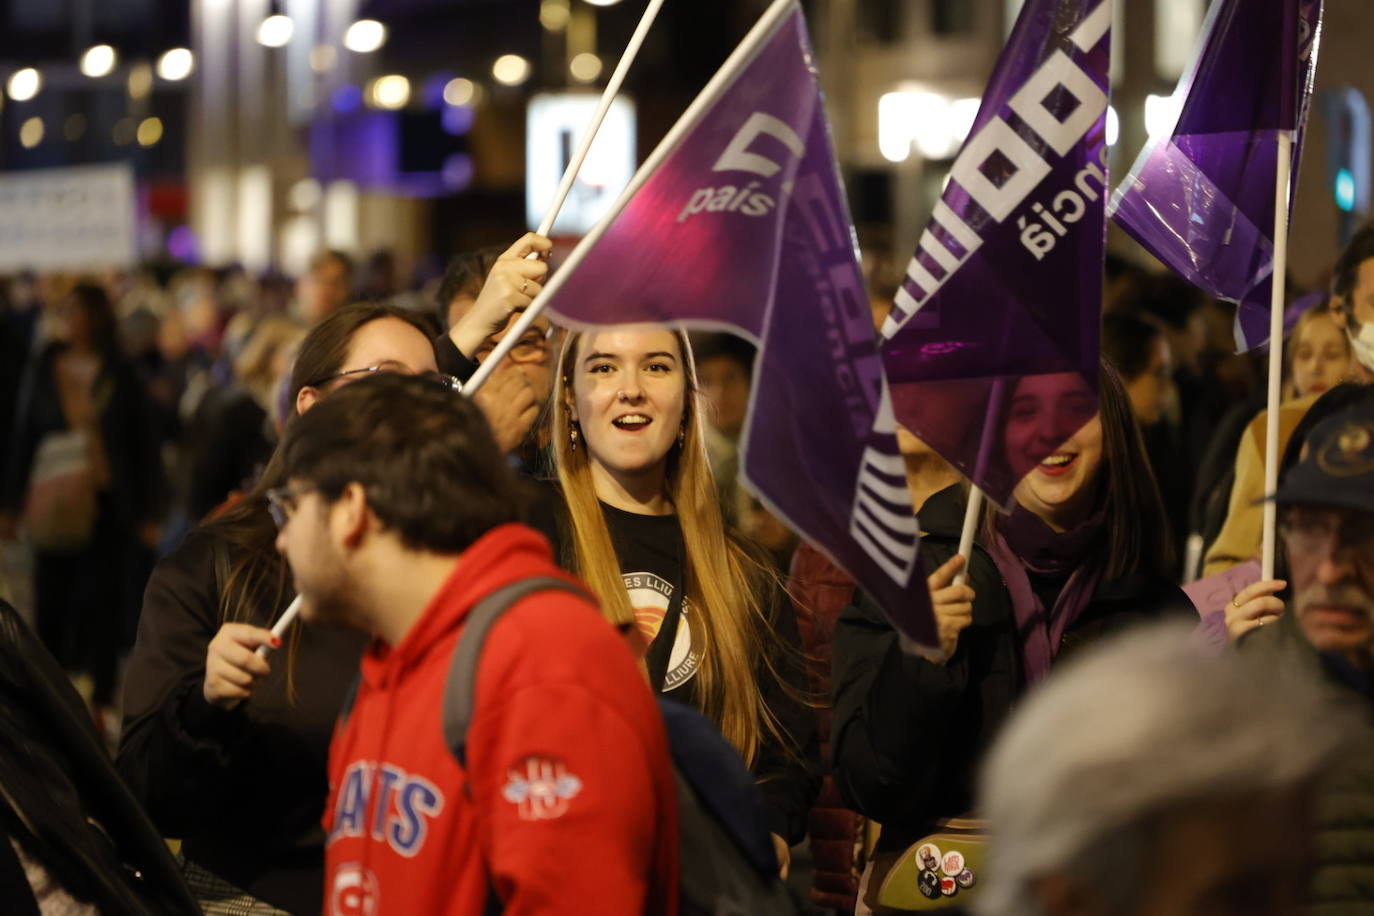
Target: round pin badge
pixel 952 863
pixel 928 856
pixel 930 885
pixel 948 887
pixel 965 878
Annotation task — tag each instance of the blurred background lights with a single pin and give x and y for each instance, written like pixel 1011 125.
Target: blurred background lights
pixel 1161 113
pixel 74 128
pixel 1113 126
pixel 176 64
pixel 365 36
pixel 276 31
pixel 937 125
pixel 511 69
pixel 1345 190
pixel 323 58
pixel 347 98
pixel 149 131
pixel 305 194
pixel 140 81
pixel 31 133
pixel 585 67
pixel 603 2
pixel 554 15
pixel 458 171
pixel 98 61
pixel 460 91
pixel 24 84
pixel 391 92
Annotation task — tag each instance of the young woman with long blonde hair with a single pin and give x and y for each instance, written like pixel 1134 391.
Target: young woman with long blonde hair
pixel 638 520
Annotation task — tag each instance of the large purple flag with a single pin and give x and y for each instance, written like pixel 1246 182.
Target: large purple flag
pixel 738 221
pixel 992 344
pixel 1201 199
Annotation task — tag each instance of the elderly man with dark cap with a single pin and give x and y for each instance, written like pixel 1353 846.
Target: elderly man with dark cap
pixel 1326 627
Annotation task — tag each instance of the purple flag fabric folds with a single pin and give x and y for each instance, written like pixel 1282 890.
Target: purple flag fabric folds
pixel 1201 199
pixel 992 345
pixel 738 220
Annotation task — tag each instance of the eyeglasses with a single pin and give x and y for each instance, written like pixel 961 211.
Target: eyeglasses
pixel 281 502
pixel 1309 531
pixel 532 347
pixel 439 378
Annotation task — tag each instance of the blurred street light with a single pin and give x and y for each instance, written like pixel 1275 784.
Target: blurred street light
pixel 98 61
pixel 140 81
pixel 149 131
pixel 176 64
pixel 365 36
pixel 585 67
pixel 391 91
pixel 603 2
pixel 276 31
pixel 31 134
pixel 24 84
pixel 461 91
pixel 554 15
pixel 511 69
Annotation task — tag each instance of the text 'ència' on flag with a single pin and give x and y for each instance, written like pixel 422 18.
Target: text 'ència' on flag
pixel 991 349
pixel 738 221
pixel 1201 196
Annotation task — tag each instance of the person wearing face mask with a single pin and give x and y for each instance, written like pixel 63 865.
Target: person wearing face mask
pixel 636 517
pixel 1081 554
pixel 1352 289
pixel 208 725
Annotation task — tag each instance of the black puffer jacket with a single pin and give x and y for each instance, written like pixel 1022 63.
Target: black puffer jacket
pixel 62 801
pixel 907 735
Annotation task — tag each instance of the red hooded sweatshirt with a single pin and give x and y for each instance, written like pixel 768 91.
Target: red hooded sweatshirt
pixel 567 805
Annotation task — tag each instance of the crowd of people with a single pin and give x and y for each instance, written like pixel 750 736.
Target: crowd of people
pixel 553 657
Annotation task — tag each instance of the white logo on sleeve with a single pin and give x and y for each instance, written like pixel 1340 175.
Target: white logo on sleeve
pixel 354 892
pixel 540 788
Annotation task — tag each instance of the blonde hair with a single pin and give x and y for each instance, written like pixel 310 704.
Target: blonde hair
pixel 1290 351
pixel 726 587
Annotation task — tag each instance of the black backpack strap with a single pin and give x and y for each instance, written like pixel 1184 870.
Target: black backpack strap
pixel 460 690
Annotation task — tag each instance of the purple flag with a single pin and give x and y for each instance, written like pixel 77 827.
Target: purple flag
pixel 738 221
pixel 992 344
pixel 1201 199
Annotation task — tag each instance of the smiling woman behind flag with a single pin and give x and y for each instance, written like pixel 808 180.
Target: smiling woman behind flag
pixel 1081 555
pixel 640 523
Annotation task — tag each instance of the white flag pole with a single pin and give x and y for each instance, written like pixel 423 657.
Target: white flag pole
pixel 972 512
pixel 1276 302
pixel 287 617
pixel 607 97
pixel 522 324
pixel 740 57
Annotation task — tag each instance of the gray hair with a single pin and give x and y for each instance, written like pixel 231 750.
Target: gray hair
pixel 1138 728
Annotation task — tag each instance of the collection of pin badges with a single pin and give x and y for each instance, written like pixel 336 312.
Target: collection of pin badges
pixel 942 875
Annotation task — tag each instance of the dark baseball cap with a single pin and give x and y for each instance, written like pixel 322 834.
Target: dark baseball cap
pixel 1337 466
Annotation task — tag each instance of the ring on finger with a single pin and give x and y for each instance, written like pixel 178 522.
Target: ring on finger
pixel 524 286
pixel 1235 601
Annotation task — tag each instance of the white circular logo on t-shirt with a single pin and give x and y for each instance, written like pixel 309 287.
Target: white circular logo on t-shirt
pixel 649 596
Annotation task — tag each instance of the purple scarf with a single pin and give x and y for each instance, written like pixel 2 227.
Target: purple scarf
pixel 1024 543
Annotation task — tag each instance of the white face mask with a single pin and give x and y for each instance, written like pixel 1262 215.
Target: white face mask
pixel 1363 344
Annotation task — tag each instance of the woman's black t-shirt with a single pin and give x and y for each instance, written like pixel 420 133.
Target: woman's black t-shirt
pixel 650 551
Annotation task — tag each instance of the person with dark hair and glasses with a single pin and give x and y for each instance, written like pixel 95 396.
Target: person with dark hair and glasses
pixel 196 742
pixel 399 519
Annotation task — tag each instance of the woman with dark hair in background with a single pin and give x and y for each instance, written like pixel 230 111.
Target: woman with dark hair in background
pixel 196 747
pixel 1083 553
pixel 85 475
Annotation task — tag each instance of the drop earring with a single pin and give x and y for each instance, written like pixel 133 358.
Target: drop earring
pixel 572 437
pixel 682 435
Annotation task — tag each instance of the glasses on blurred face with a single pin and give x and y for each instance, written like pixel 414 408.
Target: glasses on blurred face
pixel 532 347
pixel 352 375
pixel 1312 530
pixel 281 502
